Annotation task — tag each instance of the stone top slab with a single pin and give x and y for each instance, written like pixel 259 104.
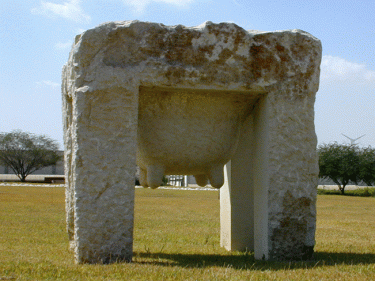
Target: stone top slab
pixel 208 56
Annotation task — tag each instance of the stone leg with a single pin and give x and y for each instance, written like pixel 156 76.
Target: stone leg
pixel 69 195
pixel 236 196
pixel 268 202
pixel 101 171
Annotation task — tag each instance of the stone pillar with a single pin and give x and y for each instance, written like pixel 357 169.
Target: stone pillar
pixel 237 195
pixel 267 204
pixel 292 167
pixel 100 172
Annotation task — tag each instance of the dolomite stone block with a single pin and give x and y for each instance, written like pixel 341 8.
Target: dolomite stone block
pixel 178 100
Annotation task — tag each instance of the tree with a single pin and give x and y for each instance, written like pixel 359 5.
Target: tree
pixel 340 163
pixel 367 166
pixel 25 153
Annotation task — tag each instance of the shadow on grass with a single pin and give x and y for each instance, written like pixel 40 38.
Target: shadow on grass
pixel 247 261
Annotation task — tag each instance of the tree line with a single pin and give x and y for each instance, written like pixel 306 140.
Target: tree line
pixel 24 153
pixel 344 163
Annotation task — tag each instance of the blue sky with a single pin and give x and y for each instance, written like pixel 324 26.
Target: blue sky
pixel 36 37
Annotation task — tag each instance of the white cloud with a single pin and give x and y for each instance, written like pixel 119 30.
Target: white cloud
pixel 140 5
pixel 70 10
pixel 235 2
pixel 48 83
pixel 63 46
pixel 339 69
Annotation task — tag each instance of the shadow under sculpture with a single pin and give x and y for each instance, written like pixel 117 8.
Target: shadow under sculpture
pixel 227 105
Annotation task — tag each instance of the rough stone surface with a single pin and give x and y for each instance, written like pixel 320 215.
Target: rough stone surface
pixel 173 100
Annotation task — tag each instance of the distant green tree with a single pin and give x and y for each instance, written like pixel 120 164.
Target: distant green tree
pixel 367 166
pixel 25 153
pixel 340 163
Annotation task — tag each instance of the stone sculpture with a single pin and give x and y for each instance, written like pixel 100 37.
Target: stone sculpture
pixel 178 100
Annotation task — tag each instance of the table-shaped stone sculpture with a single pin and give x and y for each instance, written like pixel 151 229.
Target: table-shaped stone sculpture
pixel 178 100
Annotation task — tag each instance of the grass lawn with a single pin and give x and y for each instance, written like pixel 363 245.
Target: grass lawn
pixel 177 238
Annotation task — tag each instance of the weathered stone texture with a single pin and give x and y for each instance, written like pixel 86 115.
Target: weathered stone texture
pixel 174 100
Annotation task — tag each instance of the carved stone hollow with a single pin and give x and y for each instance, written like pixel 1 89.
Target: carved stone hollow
pixel 227 105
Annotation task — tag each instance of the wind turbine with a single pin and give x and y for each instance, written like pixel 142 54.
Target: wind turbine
pixel 352 141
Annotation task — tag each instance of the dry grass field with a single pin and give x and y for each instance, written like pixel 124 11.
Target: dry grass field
pixel 177 238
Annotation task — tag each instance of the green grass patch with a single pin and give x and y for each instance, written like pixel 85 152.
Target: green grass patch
pixel 361 192
pixel 176 237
